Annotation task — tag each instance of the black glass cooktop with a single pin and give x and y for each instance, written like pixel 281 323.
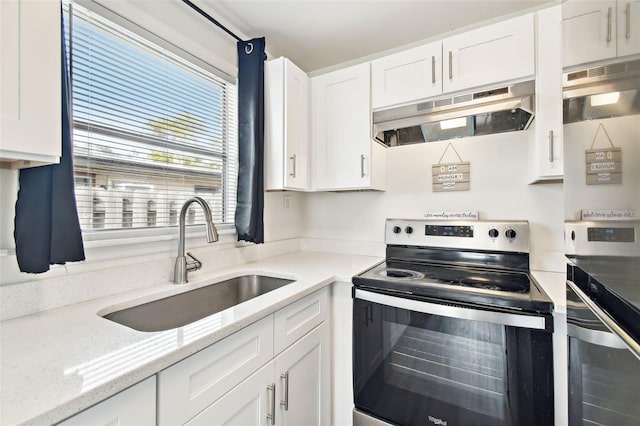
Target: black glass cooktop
pixel 490 287
pixel 484 279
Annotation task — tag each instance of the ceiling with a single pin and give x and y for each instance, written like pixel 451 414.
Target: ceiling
pixel 317 34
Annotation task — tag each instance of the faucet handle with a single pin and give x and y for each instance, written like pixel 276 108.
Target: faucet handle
pixel 193 265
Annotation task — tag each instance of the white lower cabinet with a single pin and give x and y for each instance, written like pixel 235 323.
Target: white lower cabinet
pixel 279 366
pixel 293 389
pixel 190 386
pixel 135 406
pixel 303 381
pixel 247 404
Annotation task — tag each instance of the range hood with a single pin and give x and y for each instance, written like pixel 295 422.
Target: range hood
pixel 601 92
pixel 503 109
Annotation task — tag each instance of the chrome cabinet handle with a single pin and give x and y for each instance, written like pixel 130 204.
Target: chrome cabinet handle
pixel 285 402
pixel 433 69
pixel 627 12
pixel 551 146
pixel 271 416
pixel 609 25
pixel 362 165
pixel 450 65
pixel 293 172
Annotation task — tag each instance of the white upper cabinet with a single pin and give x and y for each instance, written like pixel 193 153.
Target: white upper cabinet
pixel 486 56
pixel 407 76
pixel 628 17
pixel 286 126
pixel 599 30
pixel 492 54
pixel 30 67
pixel 344 156
pixel 546 161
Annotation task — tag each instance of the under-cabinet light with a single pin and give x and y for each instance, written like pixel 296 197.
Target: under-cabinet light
pixel 453 123
pixel 604 99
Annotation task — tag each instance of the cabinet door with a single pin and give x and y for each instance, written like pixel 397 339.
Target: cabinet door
pixel 135 406
pixel 407 76
pixel 286 126
pixel 628 24
pixel 296 123
pixel 488 55
pixel 341 129
pixel 249 403
pixel 304 390
pixel 588 31
pixel 30 107
pixel 189 386
pixel 546 160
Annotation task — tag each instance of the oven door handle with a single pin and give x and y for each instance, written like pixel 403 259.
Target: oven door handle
pixel 502 318
pixel 594 337
pixel 609 322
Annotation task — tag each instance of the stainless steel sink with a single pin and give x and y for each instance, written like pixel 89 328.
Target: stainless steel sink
pixel 185 308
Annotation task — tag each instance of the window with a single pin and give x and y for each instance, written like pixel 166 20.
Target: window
pixel 150 128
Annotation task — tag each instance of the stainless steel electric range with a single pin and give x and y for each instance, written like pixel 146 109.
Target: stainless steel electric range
pixel 451 329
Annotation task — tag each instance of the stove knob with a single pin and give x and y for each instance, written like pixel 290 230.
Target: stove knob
pixel 397 230
pixel 408 230
pixel 493 233
pixel 510 234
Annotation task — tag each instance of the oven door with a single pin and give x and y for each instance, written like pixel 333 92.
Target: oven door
pixel 604 371
pixel 421 363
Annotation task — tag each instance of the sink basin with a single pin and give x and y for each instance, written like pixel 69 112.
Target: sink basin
pixel 185 308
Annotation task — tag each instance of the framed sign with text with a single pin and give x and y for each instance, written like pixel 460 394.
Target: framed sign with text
pixel 451 176
pixel 604 165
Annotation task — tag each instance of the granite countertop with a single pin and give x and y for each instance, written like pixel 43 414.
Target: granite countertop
pixel 58 362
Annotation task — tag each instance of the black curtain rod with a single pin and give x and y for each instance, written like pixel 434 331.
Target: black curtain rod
pixel 213 21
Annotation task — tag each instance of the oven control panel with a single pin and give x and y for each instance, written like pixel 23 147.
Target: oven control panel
pixel 602 238
pixel 478 235
pixel 449 230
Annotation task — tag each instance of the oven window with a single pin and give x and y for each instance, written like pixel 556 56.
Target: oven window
pixel 412 368
pixel 604 385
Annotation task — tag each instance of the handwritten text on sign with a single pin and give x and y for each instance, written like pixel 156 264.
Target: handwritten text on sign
pixel 451 177
pixel 604 166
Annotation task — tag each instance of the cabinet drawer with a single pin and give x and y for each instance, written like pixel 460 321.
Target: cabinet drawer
pixel 294 321
pixel 135 406
pixel 191 385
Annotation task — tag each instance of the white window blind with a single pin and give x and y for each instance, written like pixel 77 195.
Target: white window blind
pixel 150 129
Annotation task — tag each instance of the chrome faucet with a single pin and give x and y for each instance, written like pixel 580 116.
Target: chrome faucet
pixel 182 265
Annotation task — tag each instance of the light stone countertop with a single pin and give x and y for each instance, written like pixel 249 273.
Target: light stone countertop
pixel 554 284
pixel 56 363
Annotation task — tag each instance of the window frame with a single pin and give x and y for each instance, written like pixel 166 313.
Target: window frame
pixel 115 243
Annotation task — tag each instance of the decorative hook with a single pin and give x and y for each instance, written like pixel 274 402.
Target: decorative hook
pixel 248 48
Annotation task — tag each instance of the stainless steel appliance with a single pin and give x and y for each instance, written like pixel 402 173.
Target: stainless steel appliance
pixel 451 329
pixel 602 91
pixel 501 109
pixel 603 322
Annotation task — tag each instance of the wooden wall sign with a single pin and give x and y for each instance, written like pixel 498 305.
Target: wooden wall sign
pixel 604 165
pixel 451 176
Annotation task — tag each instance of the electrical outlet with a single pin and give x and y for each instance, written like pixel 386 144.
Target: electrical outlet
pixel 287 202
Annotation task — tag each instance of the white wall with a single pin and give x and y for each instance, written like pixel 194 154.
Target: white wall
pixel 625 134
pixel 499 190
